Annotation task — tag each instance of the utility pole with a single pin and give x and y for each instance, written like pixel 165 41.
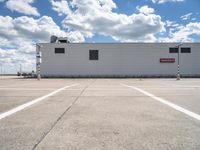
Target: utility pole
pixel 38 60
pixel 178 63
pixel 1 70
pixel 20 70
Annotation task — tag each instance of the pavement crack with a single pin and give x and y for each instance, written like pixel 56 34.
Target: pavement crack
pixel 60 117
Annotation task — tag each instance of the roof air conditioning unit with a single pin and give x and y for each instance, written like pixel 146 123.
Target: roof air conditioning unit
pixel 53 39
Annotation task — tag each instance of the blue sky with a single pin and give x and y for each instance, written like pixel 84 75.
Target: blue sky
pixel 25 22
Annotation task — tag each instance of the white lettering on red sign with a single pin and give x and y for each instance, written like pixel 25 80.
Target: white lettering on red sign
pixel 167 60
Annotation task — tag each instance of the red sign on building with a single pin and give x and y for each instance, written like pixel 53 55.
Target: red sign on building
pixel 167 60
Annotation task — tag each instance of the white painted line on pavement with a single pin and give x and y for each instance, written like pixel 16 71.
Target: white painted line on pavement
pixel 23 106
pixel 172 105
pixel 28 89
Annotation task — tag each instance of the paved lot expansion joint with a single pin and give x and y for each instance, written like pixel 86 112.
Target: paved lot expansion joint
pixel 60 117
pixel 101 114
pixel 28 104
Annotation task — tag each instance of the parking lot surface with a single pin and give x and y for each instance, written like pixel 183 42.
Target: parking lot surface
pixel 96 114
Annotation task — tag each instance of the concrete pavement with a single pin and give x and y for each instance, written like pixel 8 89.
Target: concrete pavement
pixel 99 114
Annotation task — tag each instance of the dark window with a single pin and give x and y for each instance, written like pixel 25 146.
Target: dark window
pixel 185 50
pixel 59 50
pixel 63 41
pixel 94 54
pixel 173 50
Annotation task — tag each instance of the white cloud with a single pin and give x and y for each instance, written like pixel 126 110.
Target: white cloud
pixel 186 16
pixel 91 17
pixel 183 33
pixel 22 6
pixel 61 7
pixel 193 19
pixel 171 23
pixel 11 59
pixel 30 28
pixel 145 9
pixel 164 1
pixel 19 35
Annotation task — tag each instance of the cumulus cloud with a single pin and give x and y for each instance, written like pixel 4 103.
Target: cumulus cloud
pixel 91 17
pixel 145 9
pixel 34 29
pixel 61 7
pixel 19 35
pixel 164 1
pixel 11 59
pixel 22 6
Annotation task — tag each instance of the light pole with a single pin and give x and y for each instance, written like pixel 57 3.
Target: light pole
pixel 1 69
pixel 20 70
pixel 178 63
pixel 38 60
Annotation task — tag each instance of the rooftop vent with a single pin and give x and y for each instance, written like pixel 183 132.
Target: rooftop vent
pixel 53 39
pixel 63 40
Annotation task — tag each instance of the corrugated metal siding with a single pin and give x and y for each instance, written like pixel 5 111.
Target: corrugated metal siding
pixel 118 60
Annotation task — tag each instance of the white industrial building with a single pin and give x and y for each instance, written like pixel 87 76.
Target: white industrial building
pixel 61 59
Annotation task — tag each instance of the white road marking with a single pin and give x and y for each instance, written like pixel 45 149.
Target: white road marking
pixel 28 89
pixel 23 106
pixel 172 105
